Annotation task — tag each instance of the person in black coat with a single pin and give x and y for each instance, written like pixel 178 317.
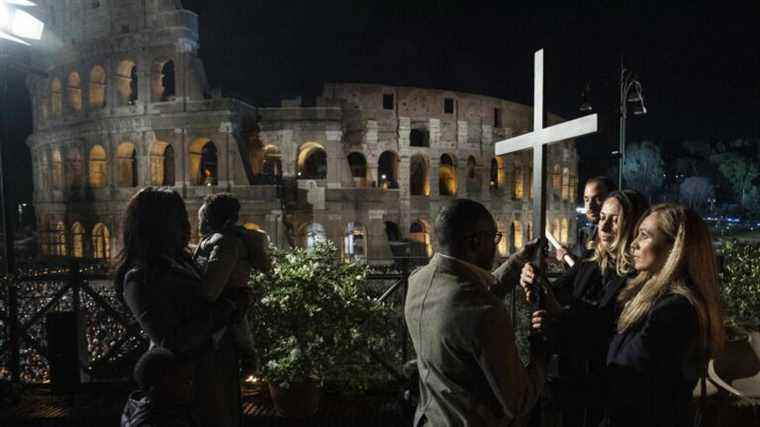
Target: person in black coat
pixel 670 323
pixel 161 287
pixel 584 310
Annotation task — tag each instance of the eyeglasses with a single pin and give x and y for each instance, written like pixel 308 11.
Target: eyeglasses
pixel 496 238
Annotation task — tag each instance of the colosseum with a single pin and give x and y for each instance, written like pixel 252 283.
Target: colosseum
pixel 127 104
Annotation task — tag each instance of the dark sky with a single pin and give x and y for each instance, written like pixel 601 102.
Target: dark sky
pixel 699 62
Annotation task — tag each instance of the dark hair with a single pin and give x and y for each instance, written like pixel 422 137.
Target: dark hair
pixel 221 209
pixel 457 219
pixel 603 182
pixel 152 365
pixel 155 224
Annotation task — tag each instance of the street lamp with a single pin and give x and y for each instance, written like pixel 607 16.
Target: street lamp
pixel 16 26
pixel 630 93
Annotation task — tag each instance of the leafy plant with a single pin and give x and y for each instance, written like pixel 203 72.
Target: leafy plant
pixel 740 282
pixel 316 320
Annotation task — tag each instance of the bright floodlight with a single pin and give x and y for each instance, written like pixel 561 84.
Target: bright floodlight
pixel 16 24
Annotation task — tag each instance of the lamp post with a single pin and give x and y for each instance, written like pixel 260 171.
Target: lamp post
pixel 16 26
pixel 630 92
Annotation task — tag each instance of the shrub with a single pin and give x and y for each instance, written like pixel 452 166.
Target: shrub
pixel 740 282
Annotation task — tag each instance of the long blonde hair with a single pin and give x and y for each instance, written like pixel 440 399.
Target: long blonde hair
pixel 618 253
pixel 690 270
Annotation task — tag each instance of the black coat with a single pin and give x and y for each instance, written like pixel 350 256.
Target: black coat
pixel 650 371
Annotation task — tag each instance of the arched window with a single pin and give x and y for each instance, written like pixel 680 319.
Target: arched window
pixel 97 87
pixel 56 97
pixel 494 175
pixel 566 187
pixel 516 231
pixel 163 83
pixel 565 231
pixel 358 165
pixel 162 164
pixel 387 170
pixel 75 91
pixel 393 232
pixel 101 242
pixel 75 173
pixel 126 165
pixel 473 177
pixel 97 175
pixel 447 176
pixel 419 138
pixel 77 240
pixel 312 161
pixel 419 232
pixel 57 169
pixel 57 237
pixel 356 241
pixel 503 246
pixel 272 165
pixel 518 191
pixel 127 82
pixel 311 234
pixel 418 176
pixel 204 166
pixel 556 179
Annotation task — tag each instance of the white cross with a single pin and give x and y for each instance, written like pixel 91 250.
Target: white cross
pixel 539 139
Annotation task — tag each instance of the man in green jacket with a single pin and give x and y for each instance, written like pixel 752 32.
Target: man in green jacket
pixel 469 368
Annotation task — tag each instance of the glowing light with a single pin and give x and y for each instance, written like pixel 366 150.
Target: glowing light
pixel 16 24
pixel 251 380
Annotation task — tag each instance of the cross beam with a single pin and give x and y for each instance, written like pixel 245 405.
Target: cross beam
pixel 539 139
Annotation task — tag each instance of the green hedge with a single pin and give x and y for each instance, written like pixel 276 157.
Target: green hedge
pixel 740 282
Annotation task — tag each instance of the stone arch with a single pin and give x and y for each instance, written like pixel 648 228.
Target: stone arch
pixel 419 232
pixel 127 82
pixel 419 185
pixel 101 242
pixel 77 240
pixel 503 245
pixel 387 170
pixel 556 179
pixel 56 168
pixel 312 161
pixel 447 176
pixel 473 176
pixel 312 233
pixel 57 239
pixel 74 88
pixel 564 231
pixel 357 163
pixel 518 189
pixel 126 165
pixel 204 162
pixel 272 165
pixel 56 97
pixel 515 231
pixel 162 164
pixel 97 87
pixel 566 187
pixel 75 166
pixel 98 166
pixel 163 79
pixel 356 241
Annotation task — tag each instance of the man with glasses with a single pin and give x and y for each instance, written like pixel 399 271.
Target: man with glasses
pixel 469 368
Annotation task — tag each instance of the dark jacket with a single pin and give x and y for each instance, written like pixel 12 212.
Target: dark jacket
pixel 470 372
pixel 140 411
pixel 580 249
pixel 650 372
pixel 165 299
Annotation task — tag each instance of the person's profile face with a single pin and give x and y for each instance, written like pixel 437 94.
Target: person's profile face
pixel 484 245
pixel 650 248
pixel 609 222
pixel 593 197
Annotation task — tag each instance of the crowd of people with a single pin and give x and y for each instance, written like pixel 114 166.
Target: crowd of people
pixel 628 328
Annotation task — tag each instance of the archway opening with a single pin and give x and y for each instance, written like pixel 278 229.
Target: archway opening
pixel 75 91
pixel 311 234
pixel 162 170
pixel 77 240
pixel 419 236
pixel 418 176
pixel 97 167
pixel 127 82
pixel 57 169
pixel 312 161
pixel 387 170
pixel 204 162
pixel 76 168
pixel 126 165
pixel 56 97
pixel 447 176
pixel 356 241
pixel 97 87
pixel 473 177
pixel 358 165
pixel 101 242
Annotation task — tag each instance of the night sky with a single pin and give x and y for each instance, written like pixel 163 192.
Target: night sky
pixel 699 62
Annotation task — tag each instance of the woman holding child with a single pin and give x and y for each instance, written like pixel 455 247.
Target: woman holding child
pixel 164 290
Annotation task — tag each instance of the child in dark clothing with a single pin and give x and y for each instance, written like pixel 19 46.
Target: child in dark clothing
pixel 165 395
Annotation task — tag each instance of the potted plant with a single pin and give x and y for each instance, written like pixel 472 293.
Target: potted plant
pixel 313 323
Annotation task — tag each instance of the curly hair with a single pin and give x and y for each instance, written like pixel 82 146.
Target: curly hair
pixel 220 210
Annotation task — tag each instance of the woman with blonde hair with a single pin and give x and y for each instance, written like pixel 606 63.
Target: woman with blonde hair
pixel 582 305
pixel 670 323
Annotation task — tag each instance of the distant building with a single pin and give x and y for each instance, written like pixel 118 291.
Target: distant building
pixel 127 105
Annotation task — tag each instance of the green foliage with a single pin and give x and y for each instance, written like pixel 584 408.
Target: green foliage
pixel 316 319
pixel 740 282
pixel 643 169
pixel 740 172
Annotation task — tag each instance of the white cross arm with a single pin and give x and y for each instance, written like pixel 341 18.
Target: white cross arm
pixel 574 128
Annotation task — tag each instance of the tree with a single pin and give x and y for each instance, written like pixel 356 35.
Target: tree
pixel 740 173
pixel 696 191
pixel 643 169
